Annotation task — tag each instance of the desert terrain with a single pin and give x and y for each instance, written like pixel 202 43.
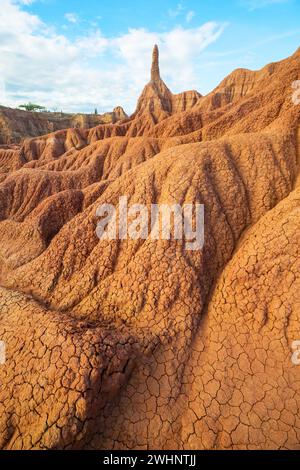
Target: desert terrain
pixel 140 344
pixel 16 124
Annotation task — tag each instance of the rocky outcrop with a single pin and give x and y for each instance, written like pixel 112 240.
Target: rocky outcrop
pixel 155 74
pixel 141 344
pixel 16 125
pixel 157 103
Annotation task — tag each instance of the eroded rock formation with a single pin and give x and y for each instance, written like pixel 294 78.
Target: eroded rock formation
pixel 135 344
pixel 16 125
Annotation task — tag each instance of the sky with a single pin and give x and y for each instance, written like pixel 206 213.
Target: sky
pixel 76 55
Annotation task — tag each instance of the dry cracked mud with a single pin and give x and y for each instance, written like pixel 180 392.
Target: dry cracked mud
pixel 141 344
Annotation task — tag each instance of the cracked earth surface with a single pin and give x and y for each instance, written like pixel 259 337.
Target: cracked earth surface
pixel 135 344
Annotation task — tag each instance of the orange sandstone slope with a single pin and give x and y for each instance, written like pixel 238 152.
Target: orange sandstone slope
pixel 15 124
pixel 135 344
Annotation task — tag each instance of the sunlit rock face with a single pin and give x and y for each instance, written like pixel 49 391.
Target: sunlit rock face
pixel 17 125
pixel 141 344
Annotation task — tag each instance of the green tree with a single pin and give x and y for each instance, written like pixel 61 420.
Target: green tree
pixel 32 107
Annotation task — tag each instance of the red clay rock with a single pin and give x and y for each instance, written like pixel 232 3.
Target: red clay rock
pixel 140 344
pixel 16 125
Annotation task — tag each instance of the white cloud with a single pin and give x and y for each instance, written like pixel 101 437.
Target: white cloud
pixel 189 16
pixel 72 18
pixel 179 50
pixel 177 11
pixel 25 2
pixel 257 4
pixel 39 65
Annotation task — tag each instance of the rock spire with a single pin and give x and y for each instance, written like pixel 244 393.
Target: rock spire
pixel 155 75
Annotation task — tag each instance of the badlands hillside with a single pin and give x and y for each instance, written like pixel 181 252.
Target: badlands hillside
pixel 16 125
pixel 136 344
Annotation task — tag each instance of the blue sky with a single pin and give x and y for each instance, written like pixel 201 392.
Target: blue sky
pixel 75 55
